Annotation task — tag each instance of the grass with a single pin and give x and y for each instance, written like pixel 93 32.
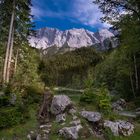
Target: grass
pixel 21 130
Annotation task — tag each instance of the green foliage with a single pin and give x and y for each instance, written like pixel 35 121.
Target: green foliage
pixel 4 100
pixel 23 129
pixel 122 66
pixel 33 94
pixel 115 72
pixel 103 99
pixel 100 96
pixel 69 69
pixel 12 115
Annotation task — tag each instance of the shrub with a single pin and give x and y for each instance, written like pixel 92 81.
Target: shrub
pixel 100 97
pixel 103 99
pixel 10 116
pixel 4 100
pixel 33 94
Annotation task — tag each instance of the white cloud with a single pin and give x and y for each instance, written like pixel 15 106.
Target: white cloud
pixel 83 11
pixel 88 13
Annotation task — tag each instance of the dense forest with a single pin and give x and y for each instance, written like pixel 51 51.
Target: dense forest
pixel 24 72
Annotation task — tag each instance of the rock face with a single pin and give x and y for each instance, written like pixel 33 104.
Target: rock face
pixel 55 39
pixel 60 103
pixel 91 116
pixel 70 132
pixel 120 127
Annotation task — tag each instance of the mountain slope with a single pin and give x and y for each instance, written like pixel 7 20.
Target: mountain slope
pixel 73 38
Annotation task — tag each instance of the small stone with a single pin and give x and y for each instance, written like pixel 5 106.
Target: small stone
pixel 46 131
pixel 119 105
pixel 91 116
pixel 61 118
pixel 31 136
pixel 70 132
pixel 45 126
pixel 72 111
pixel 74 117
pixel 75 123
pixel 63 123
pixel 38 137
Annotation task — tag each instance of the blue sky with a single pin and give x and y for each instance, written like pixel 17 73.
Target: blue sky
pixel 67 14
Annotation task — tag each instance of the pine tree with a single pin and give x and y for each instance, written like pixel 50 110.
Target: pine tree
pixel 17 33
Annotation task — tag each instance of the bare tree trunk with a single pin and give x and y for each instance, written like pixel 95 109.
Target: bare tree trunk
pixel 10 57
pixel 16 59
pixel 136 73
pixel 132 86
pixel 8 44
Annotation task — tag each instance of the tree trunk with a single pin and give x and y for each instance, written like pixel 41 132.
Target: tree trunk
pixel 132 86
pixel 16 59
pixel 8 45
pixel 10 57
pixel 136 73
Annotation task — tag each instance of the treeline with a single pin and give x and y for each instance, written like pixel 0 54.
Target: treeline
pixel 121 69
pixel 69 69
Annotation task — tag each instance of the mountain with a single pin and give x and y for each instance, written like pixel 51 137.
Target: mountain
pixel 54 40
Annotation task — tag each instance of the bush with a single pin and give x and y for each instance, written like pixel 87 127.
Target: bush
pixel 33 94
pixel 4 100
pixel 103 99
pixel 10 116
pixel 100 97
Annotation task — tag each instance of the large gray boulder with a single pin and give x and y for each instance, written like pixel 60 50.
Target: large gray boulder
pixel 91 116
pixel 120 127
pixel 70 132
pixel 60 103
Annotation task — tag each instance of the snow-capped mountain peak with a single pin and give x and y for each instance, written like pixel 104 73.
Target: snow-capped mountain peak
pixel 74 38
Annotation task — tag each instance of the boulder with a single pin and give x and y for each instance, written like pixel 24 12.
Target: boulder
pixel 60 118
pixel 126 128
pixel 120 127
pixel 113 126
pixel 70 132
pixel 119 105
pixel 60 103
pixel 91 116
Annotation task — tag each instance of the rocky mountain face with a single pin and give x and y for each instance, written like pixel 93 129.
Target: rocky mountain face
pixel 53 40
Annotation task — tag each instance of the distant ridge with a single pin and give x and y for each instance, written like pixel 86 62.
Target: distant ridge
pixel 73 38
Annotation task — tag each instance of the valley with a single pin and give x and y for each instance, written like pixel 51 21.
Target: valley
pixel 69 71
